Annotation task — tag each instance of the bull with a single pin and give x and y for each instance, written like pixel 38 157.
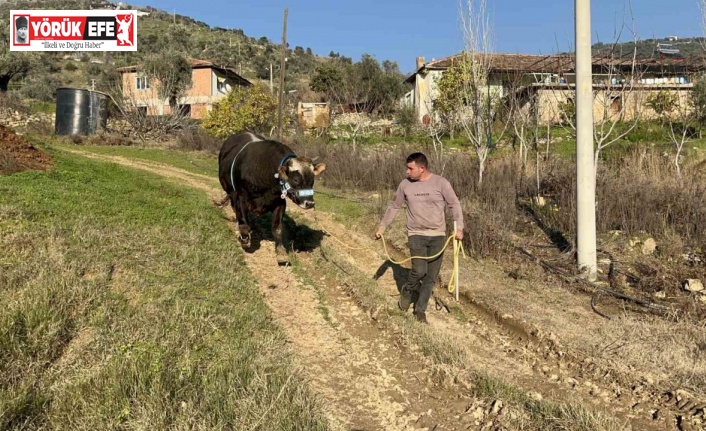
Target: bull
pixel 258 175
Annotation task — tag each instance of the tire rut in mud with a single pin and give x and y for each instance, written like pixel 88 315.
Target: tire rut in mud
pixel 536 361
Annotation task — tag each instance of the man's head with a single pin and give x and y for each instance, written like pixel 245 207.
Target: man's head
pixel 21 27
pixel 417 165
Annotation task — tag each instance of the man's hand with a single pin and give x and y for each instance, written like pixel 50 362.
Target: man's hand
pixel 459 234
pixel 378 233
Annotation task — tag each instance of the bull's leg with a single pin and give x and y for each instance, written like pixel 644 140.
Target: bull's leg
pixel 277 215
pixel 240 208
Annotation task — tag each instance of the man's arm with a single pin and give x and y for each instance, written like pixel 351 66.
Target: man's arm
pixel 452 201
pixel 392 209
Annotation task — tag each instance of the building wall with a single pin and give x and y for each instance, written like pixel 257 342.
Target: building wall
pixel 203 93
pixel 612 105
pixel 425 91
pixel 200 82
pixel 313 115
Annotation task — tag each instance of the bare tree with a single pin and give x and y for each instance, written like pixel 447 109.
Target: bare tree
pixel 523 112
pixel 142 106
pixel 617 105
pixel 676 110
pixel 524 116
pixel 344 87
pixel 171 73
pixel 435 130
pixel 481 99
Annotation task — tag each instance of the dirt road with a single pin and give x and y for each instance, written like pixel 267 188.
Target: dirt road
pixel 508 353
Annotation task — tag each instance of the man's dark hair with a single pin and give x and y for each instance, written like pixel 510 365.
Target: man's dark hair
pixel 419 159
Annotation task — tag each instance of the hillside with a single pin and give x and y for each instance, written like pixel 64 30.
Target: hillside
pixel 686 47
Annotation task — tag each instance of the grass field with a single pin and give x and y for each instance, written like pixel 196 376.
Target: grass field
pixel 192 161
pixel 127 305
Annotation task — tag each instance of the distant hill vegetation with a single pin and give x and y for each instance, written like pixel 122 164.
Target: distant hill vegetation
pixel 687 46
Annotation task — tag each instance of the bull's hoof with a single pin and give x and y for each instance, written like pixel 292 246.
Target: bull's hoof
pixel 245 241
pixel 282 258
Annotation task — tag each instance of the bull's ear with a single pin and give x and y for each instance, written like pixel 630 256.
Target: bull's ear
pixel 283 173
pixel 319 168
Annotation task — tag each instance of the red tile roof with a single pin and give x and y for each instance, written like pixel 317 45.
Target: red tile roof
pixel 562 62
pixel 194 64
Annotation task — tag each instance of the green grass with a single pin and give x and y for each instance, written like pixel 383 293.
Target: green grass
pixel 196 162
pixel 543 414
pixel 344 210
pixel 43 107
pixel 127 304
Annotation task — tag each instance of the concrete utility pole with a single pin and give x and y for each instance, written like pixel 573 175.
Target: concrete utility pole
pixel 281 76
pixel 585 173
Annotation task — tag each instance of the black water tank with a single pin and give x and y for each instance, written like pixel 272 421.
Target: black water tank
pixel 80 112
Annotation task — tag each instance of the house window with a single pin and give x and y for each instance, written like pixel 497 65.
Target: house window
pixel 184 110
pixel 616 105
pixel 222 86
pixel 143 82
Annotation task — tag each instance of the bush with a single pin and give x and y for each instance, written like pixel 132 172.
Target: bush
pixel 41 87
pixel 651 198
pixel 406 117
pixel 647 131
pixel 198 139
pixel 13 101
pixel 251 108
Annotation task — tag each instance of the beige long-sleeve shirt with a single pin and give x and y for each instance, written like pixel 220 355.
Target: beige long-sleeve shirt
pixel 425 201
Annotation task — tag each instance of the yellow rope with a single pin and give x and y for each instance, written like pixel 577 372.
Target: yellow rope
pixel 458 250
pixel 414 257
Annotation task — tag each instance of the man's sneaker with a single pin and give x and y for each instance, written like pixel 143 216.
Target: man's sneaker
pixel 421 316
pixel 405 301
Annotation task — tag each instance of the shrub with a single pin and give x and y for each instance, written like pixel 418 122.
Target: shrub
pixel 406 117
pixel 651 199
pixel 198 139
pixel 13 101
pixel 245 108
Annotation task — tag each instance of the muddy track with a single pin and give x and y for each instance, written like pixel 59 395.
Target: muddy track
pixel 535 361
pixel 368 377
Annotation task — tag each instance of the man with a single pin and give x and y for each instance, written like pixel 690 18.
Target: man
pixel 21 26
pixel 426 195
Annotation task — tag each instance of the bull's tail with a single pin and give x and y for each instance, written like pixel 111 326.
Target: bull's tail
pixel 222 202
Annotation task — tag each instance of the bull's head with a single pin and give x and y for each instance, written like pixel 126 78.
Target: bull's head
pixel 298 174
